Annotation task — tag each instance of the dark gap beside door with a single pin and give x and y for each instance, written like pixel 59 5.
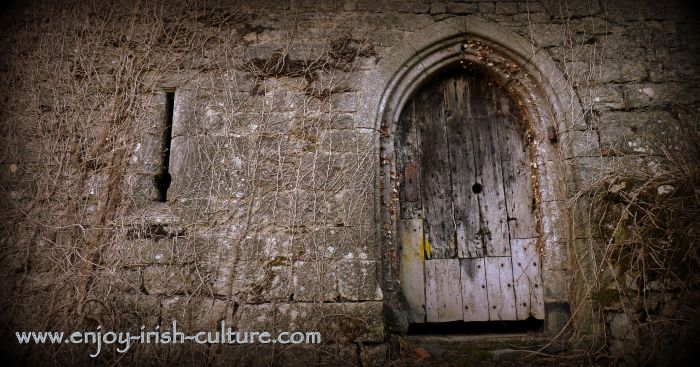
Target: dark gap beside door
pixel 477 327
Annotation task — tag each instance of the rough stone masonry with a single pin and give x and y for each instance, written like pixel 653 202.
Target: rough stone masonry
pixel 274 121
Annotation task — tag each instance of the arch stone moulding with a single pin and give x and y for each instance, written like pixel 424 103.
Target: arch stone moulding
pixel 549 105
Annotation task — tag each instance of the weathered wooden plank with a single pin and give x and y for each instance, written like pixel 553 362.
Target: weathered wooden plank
pixel 474 292
pixel 482 90
pixel 407 143
pixel 527 279
pixel 431 292
pixel 499 283
pixel 489 182
pixel 466 205
pixel 410 176
pixel 436 187
pixel 410 232
pixel 517 180
pixel 443 293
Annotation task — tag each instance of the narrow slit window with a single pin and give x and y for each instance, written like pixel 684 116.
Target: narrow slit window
pixel 162 179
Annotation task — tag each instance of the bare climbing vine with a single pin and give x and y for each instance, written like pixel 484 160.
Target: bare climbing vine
pixel 271 178
pixel 634 217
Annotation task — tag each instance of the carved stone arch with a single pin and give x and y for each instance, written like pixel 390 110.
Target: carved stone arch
pixel 548 101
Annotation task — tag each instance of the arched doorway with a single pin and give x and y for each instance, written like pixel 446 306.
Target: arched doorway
pixel 466 201
pixel 548 106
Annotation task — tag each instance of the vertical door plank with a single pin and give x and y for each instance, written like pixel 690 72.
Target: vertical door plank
pixel 474 293
pixel 466 205
pixel 436 188
pixel 494 219
pixel 431 291
pixel 407 156
pixel 410 179
pixel 517 180
pixel 410 232
pixel 499 283
pixel 526 276
pixel 492 206
pixel 443 293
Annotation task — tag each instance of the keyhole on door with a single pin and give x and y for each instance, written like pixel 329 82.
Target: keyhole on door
pixel 476 188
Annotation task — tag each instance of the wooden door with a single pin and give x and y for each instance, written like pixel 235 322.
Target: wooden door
pixel 467 226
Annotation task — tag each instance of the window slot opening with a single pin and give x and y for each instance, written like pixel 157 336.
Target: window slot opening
pixel 162 179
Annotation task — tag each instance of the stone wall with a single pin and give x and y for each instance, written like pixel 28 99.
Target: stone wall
pixel 272 216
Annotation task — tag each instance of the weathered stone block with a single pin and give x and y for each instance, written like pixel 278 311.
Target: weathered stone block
pixel 438 8
pixel 549 187
pixel 256 317
pixel 530 7
pixel 399 21
pixel 358 280
pixel 167 279
pixel 583 173
pixel 546 35
pixel 650 95
pixel 263 281
pixel 581 143
pixel 141 251
pixel 222 280
pixel 344 102
pixel 308 208
pixel 118 280
pixel 601 97
pixel 616 71
pixel 506 8
pixel 322 171
pixel 531 18
pixel 131 311
pixel 264 51
pixel 486 7
pixel 357 140
pixel 263 244
pixel 315 281
pixel 337 322
pixel 392 6
pixel 683 66
pixel 195 313
pixel 557 316
pixel 327 241
pixel 556 282
pixel 461 8
pixel 553 221
pixel 195 172
pixel 630 10
pixel 343 322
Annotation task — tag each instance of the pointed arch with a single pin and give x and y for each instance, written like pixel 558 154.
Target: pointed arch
pixel 548 102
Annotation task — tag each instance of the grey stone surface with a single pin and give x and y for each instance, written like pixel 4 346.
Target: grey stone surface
pixel 506 7
pixel 275 154
pixel 315 281
pixel 195 314
pixel 337 322
pixel 143 251
pixel 358 280
pixel 461 8
pixel 167 279
pixel 582 143
pixel 263 281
